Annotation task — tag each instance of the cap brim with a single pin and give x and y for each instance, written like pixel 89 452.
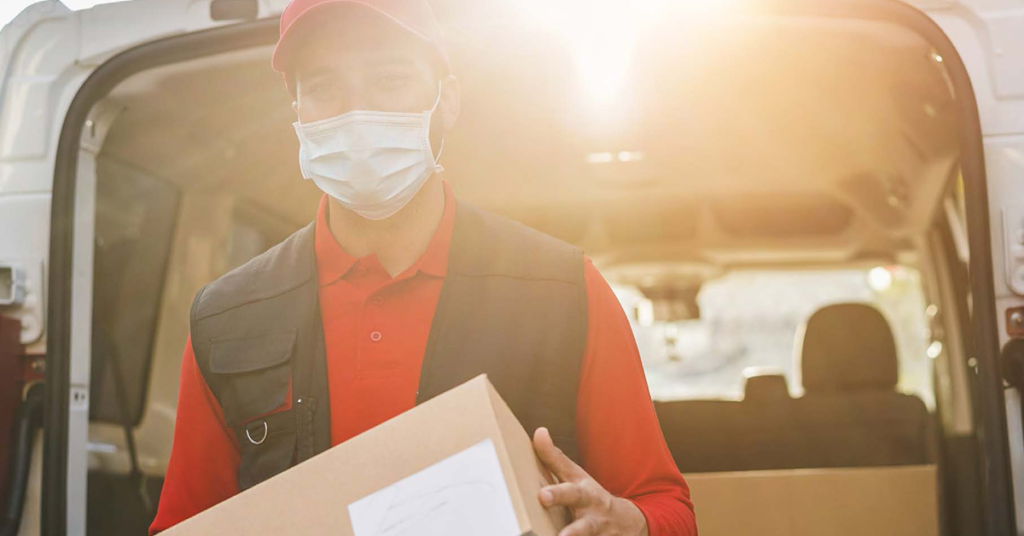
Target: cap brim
pixel 283 52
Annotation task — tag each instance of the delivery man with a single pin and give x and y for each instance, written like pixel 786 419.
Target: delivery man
pixel 397 292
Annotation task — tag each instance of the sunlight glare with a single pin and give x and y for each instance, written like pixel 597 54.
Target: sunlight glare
pixel 601 35
pixel 880 279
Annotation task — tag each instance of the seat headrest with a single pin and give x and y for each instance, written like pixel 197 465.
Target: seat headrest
pixel 762 385
pixel 848 347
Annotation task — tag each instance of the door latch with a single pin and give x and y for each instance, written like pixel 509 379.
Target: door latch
pixel 13 284
pixel 1012 364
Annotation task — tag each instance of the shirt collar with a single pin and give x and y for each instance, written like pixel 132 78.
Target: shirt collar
pixel 333 262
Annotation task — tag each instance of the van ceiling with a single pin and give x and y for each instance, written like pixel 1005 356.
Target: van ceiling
pixel 734 140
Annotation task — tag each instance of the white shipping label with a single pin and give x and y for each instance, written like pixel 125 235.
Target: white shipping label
pixel 462 495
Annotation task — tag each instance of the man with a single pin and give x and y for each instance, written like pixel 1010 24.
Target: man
pixel 397 292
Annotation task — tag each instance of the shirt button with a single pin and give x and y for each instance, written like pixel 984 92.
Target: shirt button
pixel 378 300
pixel 375 336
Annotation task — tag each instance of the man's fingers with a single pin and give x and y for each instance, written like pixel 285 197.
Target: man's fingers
pixel 554 459
pixel 584 526
pixel 565 494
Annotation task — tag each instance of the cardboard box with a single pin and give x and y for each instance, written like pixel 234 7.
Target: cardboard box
pixel 458 464
pixel 897 501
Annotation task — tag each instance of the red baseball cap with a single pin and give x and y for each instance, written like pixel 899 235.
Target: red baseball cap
pixel 414 16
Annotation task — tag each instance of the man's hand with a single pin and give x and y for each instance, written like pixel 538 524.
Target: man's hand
pixel 595 511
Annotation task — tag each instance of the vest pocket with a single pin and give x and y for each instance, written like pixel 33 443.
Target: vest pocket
pixel 253 378
pixel 253 375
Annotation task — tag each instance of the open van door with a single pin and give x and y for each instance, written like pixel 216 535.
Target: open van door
pixel 991 221
pixel 58 67
pixel 999 90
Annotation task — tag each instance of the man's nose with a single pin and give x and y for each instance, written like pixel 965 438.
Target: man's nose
pixel 349 105
pixel 350 99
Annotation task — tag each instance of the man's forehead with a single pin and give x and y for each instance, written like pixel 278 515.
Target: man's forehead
pixel 323 61
pixel 358 32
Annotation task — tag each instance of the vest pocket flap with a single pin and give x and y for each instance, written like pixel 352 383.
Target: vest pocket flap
pixel 252 375
pixel 249 355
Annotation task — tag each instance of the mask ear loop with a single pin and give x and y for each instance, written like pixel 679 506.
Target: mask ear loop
pixel 438 100
pixel 440 150
pixel 438 159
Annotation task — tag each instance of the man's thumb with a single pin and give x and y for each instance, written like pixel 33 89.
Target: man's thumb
pixel 553 457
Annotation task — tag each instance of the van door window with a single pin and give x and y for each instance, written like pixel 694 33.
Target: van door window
pixel 135 217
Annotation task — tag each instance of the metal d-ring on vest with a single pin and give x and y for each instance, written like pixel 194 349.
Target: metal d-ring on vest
pixel 262 439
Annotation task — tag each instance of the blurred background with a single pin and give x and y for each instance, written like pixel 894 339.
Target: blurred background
pixel 10 8
pixel 732 169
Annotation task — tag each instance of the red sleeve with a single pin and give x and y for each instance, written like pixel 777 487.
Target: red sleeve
pixel 620 440
pixel 203 469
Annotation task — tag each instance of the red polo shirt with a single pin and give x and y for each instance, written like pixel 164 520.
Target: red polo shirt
pixel 375 330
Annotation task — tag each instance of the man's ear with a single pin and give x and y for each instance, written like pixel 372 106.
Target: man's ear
pixel 450 102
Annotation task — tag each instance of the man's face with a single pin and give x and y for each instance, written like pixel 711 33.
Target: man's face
pixel 358 60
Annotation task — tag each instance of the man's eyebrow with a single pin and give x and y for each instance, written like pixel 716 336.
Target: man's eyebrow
pixel 395 60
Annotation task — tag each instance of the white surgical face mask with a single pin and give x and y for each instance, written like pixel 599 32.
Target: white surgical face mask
pixel 373 163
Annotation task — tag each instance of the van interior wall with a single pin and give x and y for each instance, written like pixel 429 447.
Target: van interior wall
pixel 764 141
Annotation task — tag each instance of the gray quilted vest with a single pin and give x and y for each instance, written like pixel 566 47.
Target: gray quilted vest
pixel 513 305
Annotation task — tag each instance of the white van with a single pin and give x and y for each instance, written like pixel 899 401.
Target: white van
pixel 732 167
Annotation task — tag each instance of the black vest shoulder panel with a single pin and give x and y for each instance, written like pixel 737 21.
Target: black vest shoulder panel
pixel 278 270
pixel 513 305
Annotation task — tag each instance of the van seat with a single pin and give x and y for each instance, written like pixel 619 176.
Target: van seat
pixel 850 416
pixel 720 435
